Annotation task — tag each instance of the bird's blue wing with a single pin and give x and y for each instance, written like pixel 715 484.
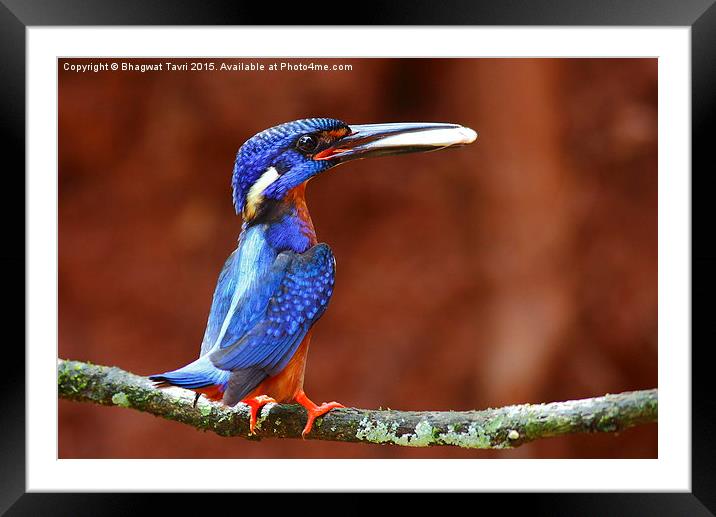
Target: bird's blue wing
pixel 221 302
pixel 280 311
pixel 243 289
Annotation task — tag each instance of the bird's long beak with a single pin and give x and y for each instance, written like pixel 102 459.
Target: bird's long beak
pixel 368 140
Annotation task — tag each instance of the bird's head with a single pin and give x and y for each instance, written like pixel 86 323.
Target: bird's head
pixel 274 162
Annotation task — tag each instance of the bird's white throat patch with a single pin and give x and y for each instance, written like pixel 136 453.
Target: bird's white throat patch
pixel 256 192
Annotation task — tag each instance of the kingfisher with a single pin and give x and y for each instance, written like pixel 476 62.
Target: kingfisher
pixel 278 281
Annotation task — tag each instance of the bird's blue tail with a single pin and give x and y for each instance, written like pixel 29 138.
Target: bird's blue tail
pixel 199 374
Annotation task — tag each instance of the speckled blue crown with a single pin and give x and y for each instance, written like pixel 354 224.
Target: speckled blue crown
pixel 272 147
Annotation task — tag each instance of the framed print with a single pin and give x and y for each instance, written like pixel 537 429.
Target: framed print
pixel 520 292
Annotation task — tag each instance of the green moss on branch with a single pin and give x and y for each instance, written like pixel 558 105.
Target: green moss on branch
pixel 499 428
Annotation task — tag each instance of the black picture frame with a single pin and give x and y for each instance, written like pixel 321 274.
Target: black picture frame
pixel 17 15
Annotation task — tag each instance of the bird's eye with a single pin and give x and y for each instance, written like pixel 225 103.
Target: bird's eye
pixel 307 143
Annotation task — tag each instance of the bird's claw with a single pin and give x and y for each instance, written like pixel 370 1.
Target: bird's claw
pixel 255 404
pixel 314 410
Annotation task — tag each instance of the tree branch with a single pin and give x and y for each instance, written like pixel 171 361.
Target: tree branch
pixel 500 428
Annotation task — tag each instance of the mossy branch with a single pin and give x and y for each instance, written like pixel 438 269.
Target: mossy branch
pixel 499 428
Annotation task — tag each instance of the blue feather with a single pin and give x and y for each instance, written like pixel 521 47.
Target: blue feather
pixel 298 300
pixel 244 273
pixel 199 374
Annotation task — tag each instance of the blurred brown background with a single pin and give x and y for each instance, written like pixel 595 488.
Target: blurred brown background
pixel 522 268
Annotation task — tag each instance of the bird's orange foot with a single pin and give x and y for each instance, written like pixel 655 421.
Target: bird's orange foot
pixel 255 404
pixel 314 410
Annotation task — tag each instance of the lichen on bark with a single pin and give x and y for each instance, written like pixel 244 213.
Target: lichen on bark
pixel 499 428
